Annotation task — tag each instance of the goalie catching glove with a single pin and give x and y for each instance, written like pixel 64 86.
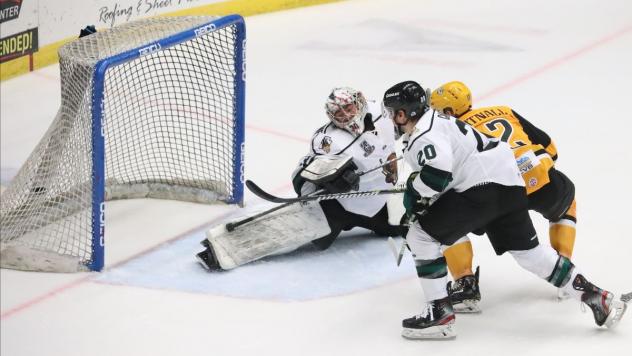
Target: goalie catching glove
pixel 414 203
pixel 346 181
pixel 335 174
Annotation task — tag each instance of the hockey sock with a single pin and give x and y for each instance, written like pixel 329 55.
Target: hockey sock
pixel 562 232
pixel 562 272
pixel 539 260
pixel 459 258
pixel 547 264
pixel 433 276
pixel 430 263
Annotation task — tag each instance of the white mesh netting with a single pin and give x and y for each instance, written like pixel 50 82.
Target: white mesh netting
pixel 169 129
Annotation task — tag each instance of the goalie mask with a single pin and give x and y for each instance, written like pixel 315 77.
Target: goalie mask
pixel 346 108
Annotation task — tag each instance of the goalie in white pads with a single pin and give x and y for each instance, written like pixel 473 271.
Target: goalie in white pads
pixel 357 139
pixel 464 181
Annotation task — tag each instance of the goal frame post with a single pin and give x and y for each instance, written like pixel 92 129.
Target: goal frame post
pixel 98 135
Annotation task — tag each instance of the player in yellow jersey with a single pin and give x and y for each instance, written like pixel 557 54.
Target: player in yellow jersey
pixel 550 192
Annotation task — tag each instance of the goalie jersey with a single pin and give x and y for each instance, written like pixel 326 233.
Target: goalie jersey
pixel 452 155
pixel 372 148
pixel 534 151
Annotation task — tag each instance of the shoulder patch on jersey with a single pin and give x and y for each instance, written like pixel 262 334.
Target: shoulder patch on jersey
pixel 325 144
pixel 368 148
pixel 322 140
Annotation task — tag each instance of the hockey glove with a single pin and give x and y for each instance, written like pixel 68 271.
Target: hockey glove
pixel 414 203
pixel 390 170
pixel 346 181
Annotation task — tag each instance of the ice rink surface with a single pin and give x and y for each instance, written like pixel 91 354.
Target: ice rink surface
pixel 564 65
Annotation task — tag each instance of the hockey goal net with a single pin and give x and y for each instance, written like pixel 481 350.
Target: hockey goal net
pixel 153 108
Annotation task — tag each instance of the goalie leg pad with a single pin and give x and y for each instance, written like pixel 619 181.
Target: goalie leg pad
pixel 279 232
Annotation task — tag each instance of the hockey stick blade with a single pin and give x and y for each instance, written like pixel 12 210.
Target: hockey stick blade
pixel 397 253
pixel 393 246
pixel 256 190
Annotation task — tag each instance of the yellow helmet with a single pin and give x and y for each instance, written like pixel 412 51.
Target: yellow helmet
pixel 454 97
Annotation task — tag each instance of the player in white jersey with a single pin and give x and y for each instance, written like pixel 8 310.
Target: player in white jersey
pixel 464 181
pixel 357 139
pixel 356 129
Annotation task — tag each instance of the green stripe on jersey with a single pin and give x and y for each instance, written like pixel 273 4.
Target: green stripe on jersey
pixel 435 178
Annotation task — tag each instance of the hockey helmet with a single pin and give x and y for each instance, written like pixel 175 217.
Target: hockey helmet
pixel 346 108
pixel 407 96
pixel 452 98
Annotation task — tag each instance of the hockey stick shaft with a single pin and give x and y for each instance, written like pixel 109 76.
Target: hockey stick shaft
pixel 380 166
pixel 255 189
pixel 233 225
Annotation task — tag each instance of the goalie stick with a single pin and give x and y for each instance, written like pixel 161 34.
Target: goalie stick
pixel 255 189
pixel 287 201
pixel 233 225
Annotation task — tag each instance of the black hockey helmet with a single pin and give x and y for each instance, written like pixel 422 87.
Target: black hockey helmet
pixel 408 96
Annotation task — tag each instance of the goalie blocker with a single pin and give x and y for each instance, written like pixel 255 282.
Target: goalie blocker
pixel 297 224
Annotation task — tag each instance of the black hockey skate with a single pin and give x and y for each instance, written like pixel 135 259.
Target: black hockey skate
pixel 205 243
pixel 465 294
pixel 606 309
pixel 435 322
pixel 207 257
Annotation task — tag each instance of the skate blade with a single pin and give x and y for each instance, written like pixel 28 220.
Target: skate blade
pixel 617 309
pixel 439 332
pixel 469 306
